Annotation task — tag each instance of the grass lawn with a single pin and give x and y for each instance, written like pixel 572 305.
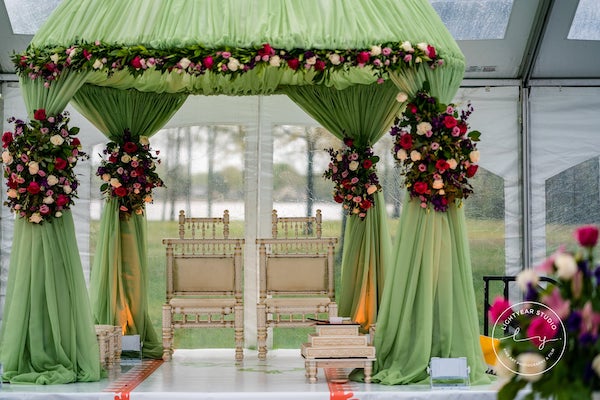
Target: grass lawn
pixel 487 256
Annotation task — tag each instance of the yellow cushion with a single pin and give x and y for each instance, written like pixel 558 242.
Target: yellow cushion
pixel 487 346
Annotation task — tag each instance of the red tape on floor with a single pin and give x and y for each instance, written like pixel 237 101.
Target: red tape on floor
pixel 122 386
pixel 339 386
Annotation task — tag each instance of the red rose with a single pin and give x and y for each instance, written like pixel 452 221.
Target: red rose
pixel 587 235
pixel 420 187
pixel 86 54
pixel 130 147
pixel 320 65
pixel 266 50
pixel 367 164
pixel 346 183
pixel 442 165
pixel 62 200
pixel 33 188
pixel 293 63
pixel 430 51
pixel 348 142
pixel 208 62
pixel 365 204
pixel 39 114
pixel 12 183
pixel 363 57
pixel 406 141
pixel 7 139
pixel 140 171
pixel 449 121
pixel 472 170
pixel 75 142
pixel 121 191
pixel 60 164
pixel 136 62
pixel 338 199
pixel 411 108
pixel 463 128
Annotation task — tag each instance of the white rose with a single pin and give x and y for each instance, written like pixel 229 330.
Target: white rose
pixel 401 97
pixel 54 58
pixel 423 128
pixel 526 277
pixel 339 157
pixel 401 155
pixel 52 180
pixel 335 58
pixel 312 60
pixel 596 364
pixel 437 184
pixel 114 182
pixel 125 158
pixel 375 50
pixel 275 61
pixel 12 193
pixel 67 189
pixel 415 155
pixel 452 163
pixel 474 156
pixel 36 218
pixel 422 46
pixel 406 46
pixel 34 167
pixel 58 214
pixel 144 141
pixel 418 60
pixel 98 64
pixel 505 365
pixel 233 64
pixel 106 177
pixel 353 166
pixel 57 140
pixel 184 62
pixel 531 366
pixel 48 200
pixel 7 158
pixel 566 266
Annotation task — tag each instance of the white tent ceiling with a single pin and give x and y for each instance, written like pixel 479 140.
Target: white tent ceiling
pixel 523 40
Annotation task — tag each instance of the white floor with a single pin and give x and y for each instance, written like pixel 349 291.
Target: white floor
pixel 213 374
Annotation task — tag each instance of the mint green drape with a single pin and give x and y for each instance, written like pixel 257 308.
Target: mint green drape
pixel 428 307
pixel 48 334
pixel 119 281
pixel 363 113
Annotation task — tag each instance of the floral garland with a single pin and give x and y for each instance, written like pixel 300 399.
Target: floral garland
pixel 128 172
pixel 39 158
pixel 574 324
pixel 353 171
pixel 48 63
pixel 436 154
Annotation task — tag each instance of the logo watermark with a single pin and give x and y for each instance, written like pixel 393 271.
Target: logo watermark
pixel 549 337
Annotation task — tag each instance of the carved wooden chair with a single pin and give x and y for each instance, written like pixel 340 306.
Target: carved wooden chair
pixel 204 280
pixel 296 276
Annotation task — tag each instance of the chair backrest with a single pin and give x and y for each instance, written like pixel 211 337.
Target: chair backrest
pixel 198 267
pixel 296 227
pixel 204 227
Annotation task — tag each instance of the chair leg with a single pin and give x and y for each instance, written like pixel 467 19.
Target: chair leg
pixel 239 332
pixel 167 333
pixel 262 332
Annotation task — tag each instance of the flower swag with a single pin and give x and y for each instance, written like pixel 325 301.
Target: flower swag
pixel 575 304
pixel 39 158
pixel 48 63
pixel 436 154
pixel 128 172
pixel 352 169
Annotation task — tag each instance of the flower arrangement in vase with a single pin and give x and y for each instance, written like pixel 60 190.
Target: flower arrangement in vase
pixel 39 158
pixel 128 172
pixel 570 327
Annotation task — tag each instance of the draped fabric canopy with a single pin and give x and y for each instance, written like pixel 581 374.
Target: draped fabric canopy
pixel 342 61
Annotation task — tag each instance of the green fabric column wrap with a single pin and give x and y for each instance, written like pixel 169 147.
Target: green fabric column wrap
pixel 363 113
pixel 48 335
pixel 119 281
pixel 428 307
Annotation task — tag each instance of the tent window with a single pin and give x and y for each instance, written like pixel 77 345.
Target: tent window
pixel 26 16
pixel 586 23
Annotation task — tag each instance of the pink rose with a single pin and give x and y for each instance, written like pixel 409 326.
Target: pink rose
pixel 208 62
pixel 33 188
pixel 62 200
pixel 496 310
pixel 587 235
pixel 540 331
pixel 136 62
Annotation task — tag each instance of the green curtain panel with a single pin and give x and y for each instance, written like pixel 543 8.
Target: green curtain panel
pixel 48 335
pixel 363 113
pixel 428 307
pixel 119 281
